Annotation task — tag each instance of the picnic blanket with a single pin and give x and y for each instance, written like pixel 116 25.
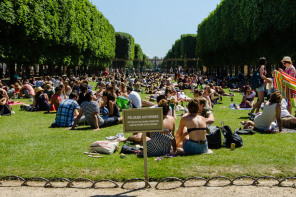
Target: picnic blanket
pixel 286 85
pixel 11 102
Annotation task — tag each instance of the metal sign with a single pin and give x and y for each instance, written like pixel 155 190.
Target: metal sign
pixel 142 120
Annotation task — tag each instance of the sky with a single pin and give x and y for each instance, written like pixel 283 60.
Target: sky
pixel 156 24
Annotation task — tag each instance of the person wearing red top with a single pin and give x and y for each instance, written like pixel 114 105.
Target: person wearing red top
pixel 27 90
pixel 56 98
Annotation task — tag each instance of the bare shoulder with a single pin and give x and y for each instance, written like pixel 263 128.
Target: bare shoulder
pixel 170 118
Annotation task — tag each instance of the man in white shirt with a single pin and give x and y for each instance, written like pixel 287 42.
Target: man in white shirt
pixel 134 97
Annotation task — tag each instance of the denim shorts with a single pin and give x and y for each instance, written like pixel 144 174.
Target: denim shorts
pixel 191 147
pixel 260 89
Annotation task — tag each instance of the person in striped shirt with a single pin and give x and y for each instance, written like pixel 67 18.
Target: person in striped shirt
pixel 160 143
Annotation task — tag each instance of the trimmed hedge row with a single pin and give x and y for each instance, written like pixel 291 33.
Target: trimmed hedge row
pixel 57 32
pixel 182 48
pixel 239 32
pixel 125 48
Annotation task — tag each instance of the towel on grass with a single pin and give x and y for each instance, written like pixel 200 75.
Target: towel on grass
pixel 232 107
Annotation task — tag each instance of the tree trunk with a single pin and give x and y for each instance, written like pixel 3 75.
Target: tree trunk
pixel 27 70
pixel 41 70
pixel 19 69
pixel 249 70
pixel 242 69
pixel 11 67
pixel 51 70
pixel 65 70
pixel 236 70
pixel 59 69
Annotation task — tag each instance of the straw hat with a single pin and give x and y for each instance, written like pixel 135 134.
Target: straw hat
pixel 38 89
pixel 287 59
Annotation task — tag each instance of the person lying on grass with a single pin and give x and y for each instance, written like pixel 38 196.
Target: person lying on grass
pixel 192 130
pixel 271 111
pixel 160 142
pixel 91 110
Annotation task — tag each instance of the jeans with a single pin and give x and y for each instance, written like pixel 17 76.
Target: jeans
pixel 110 121
pixel 195 148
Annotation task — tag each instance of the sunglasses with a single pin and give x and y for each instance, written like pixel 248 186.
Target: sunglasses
pixel 286 62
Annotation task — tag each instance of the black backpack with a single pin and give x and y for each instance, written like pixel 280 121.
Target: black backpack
pixel 126 149
pixel 256 80
pixel 214 138
pixel 231 137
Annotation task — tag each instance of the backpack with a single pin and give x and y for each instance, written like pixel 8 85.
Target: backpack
pixel 214 137
pixel 256 80
pixel 231 137
pixel 126 149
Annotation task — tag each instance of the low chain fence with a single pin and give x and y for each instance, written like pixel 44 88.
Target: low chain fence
pixel 137 183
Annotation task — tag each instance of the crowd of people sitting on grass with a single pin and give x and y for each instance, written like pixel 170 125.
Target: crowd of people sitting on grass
pixel 76 102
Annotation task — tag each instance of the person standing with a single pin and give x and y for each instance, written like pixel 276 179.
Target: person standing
pixel 290 70
pixel 260 90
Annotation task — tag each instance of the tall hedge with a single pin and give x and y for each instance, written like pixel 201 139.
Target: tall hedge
pixel 184 47
pixel 58 32
pixel 138 56
pixel 176 49
pixel 125 48
pixel 188 45
pixel 239 32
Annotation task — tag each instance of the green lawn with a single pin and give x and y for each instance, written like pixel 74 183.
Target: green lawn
pixel 29 148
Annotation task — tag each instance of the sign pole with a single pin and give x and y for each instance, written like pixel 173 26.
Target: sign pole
pixel 145 157
pixel 142 121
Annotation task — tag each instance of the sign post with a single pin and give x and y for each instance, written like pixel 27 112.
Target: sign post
pixel 143 121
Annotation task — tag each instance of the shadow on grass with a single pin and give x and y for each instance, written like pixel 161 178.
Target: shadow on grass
pixel 247 117
pixel 51 112
pixel 83 128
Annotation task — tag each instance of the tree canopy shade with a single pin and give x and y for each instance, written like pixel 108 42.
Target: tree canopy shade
pixel 57 32
pixel 239 32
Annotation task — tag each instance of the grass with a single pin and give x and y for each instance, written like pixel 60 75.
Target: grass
pixel 29 148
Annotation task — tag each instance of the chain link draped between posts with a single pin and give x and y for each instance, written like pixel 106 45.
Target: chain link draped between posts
pixel 251 181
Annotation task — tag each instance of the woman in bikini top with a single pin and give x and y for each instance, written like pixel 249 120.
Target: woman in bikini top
pixel 192 126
